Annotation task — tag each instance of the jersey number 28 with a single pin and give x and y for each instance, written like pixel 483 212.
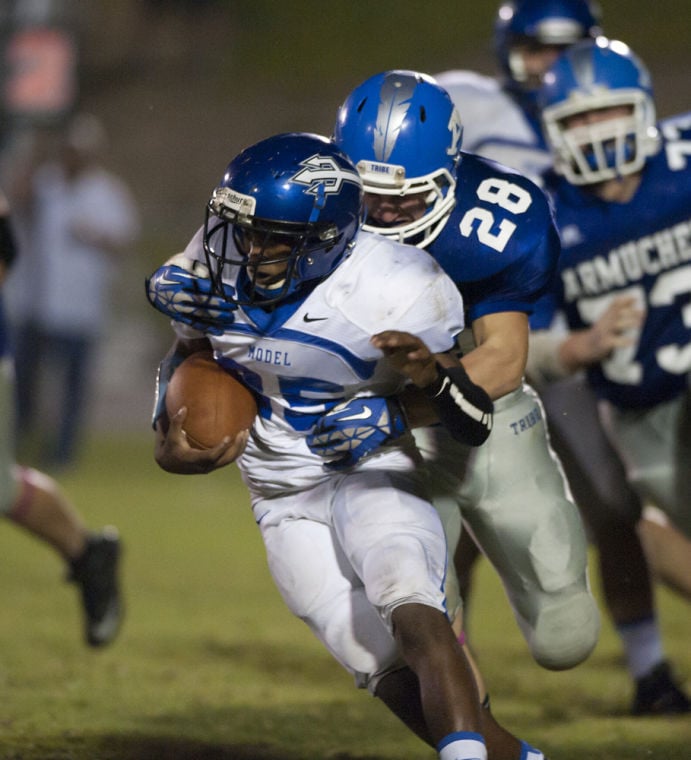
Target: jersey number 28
pixel 481 221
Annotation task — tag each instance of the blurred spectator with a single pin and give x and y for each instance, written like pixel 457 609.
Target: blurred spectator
pixel 77 220
pixel 35 502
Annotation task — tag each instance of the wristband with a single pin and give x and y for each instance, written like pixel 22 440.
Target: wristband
pixel 465 409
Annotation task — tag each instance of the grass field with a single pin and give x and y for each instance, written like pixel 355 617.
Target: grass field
pixel 210 665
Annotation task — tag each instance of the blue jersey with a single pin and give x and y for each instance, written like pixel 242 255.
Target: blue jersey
pixel 643 249
pixel 500 244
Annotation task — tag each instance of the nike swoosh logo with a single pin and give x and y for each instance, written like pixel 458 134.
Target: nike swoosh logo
pixel 365 414
pixel 307 318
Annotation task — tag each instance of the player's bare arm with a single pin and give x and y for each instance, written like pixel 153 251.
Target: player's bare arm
pixel 615 329
pixel 174 454
pixel 462 406
pixel 498 362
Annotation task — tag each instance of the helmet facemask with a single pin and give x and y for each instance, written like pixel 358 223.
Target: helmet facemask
pixel 231 234
pixel 438 189
pixel 590 153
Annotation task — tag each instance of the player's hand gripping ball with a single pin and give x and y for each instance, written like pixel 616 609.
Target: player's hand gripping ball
pixel 217 404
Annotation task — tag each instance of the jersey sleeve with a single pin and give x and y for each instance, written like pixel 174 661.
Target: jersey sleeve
pixel 399 287
pixel 436 314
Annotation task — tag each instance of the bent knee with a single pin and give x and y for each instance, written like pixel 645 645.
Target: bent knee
pixel 565 632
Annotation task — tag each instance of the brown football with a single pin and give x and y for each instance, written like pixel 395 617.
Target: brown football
pixel 217 404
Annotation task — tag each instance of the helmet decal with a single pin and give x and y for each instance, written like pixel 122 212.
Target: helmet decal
pixel 395 99
pixel 321 174
pixel 456 129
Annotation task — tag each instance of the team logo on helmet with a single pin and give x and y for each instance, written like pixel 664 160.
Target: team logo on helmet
pixel 322 174
pixel 456 128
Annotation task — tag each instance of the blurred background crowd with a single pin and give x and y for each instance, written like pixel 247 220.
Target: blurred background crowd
pixel 166 92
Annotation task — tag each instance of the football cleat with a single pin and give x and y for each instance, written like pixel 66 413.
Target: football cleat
pixel 95 571
pixel 659 694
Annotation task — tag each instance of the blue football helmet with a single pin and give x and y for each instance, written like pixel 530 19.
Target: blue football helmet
pixel 297 191
pixel 402 131
pixel 590 76
pixel 539 23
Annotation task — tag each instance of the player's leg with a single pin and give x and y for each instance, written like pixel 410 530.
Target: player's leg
pixel 399 551
pixel 319 584
pixel 611 510
pixel 400 691
pixel 320 587
pixel 93 558
pixel 44 511
pixel 520 512
pixel 443 490
pixel 31 499
pixel 35 502
pixel 655 447
pixel 608 505
pixel 667 550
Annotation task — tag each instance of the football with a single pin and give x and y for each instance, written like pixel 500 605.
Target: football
pixel 217 404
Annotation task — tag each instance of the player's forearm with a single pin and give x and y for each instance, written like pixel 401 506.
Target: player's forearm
pixel 495 370
pixel 578 351
pixel 497 362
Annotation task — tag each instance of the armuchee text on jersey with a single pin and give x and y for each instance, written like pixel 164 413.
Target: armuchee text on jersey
pixel 629 263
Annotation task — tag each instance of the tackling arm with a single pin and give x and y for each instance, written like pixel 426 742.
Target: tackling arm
pixel 498 362
pixel 462 406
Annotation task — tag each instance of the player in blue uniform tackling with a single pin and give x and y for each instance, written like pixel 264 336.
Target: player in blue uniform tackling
pixel 501 119
pixel 491 230
pixel 354 546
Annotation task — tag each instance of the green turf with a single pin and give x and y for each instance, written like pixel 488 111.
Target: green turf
pixel 210 665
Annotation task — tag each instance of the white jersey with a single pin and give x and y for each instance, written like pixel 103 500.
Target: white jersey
pixel 494 125
pixel 304 359
pixel 344 548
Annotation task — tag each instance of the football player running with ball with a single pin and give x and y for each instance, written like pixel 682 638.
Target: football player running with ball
pixel 491 230
pixel 281 269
